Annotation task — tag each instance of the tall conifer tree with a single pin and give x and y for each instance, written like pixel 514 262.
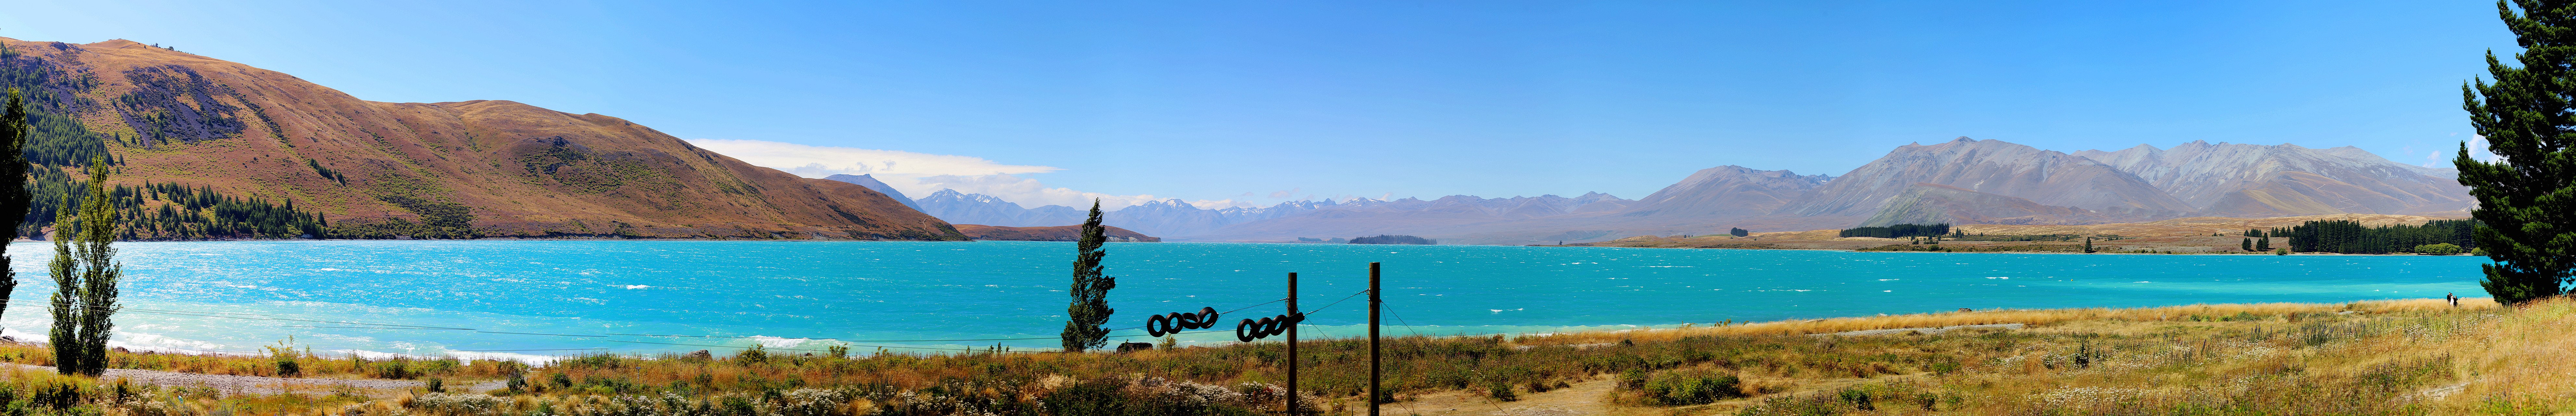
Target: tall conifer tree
pixel 85 275
pixel 100 271
pixel 2526 200
pixel 13 177
pixel 66 305
pixel 1090 309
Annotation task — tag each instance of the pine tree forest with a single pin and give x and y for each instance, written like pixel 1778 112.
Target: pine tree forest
pixel 2350 237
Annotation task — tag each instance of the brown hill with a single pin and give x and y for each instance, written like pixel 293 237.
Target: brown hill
pixel 1055 233
pixel 517 170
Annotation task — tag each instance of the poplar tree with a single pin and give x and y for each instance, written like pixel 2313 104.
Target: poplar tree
pixel 2263 244
pixel 2527 198
pixel 85 275
pixel 65 306
pixel 1090 309
pixel 13 177
pixel 2088 244
pixel 101 272
pixel 2247 245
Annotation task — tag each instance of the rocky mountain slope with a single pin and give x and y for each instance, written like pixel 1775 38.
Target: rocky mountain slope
pixel 2240 180
pixel 1727 191
pixel 1994 167
pixel 255 137
pixel 965 208
pixel 1926 203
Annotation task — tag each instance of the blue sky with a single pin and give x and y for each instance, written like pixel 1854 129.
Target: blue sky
pixel 1255 102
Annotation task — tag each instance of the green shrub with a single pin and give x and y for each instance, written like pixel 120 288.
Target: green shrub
pixel 2439 249
pixel 1689 387
pixel 1857 398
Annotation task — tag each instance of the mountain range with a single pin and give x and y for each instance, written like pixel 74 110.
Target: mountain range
pixel 1962 181
pixel 199 129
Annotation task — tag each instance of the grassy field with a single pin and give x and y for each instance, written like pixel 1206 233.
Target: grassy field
pixel 2382 357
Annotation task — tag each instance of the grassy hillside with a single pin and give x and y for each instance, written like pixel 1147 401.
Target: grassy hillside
pixel 2382 357
pixel 261 154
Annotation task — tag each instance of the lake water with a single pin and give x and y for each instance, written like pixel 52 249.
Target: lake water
pixel 536 298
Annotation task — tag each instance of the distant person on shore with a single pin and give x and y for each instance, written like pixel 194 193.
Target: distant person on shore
pixel 2453 297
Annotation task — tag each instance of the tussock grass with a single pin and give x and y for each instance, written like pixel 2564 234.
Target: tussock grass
pixel 2035 317
pixel 2377 357
pixel 306 364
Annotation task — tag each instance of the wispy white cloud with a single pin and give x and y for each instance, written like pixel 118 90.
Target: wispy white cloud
pixel 821 161
pixel 2478 150
pixel 920 174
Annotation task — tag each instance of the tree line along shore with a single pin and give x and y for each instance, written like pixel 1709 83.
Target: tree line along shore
pixel 2372 357
pixel 2316 236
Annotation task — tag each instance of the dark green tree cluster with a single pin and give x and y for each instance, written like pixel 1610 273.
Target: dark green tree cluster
pixel 1739 232
pixel 1899 231
pixel 435 220
pixel 1090 308
pixel 85 275
pixel 2527 199
pixel 2350 237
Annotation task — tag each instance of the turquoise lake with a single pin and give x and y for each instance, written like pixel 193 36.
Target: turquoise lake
pixel 540 298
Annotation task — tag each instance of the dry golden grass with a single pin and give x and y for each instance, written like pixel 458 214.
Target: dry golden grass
pixel 2375 357
pixel 307 364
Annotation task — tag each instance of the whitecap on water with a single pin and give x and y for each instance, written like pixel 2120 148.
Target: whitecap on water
pixel 777 342
pixel 637 287
pixel 529 359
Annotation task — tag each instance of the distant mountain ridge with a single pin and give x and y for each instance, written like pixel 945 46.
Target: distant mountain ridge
pixel 1961 181
pixel 1994 167
pixel 873 184
pixel 1320 219
pixel 2240 180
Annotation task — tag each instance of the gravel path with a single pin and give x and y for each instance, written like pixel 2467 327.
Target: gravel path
pixel 253 385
